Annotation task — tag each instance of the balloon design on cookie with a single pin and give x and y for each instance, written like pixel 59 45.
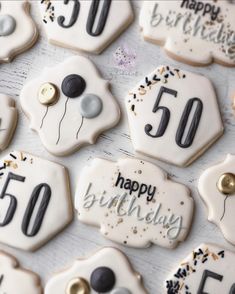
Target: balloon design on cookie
pixel 217 189
pixel 8 120
pixel 169 112
pixel 134 203
pixel 193 31
pixel 207 269
pixel 14 279
pixel 88 26
pixel 69 105
pixel 18 31
pixel 35 202
pixel 107 271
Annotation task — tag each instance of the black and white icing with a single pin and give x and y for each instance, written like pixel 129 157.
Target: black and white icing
pixel 82 105
pixel 168 114
pixel 205 269
pixel 85 25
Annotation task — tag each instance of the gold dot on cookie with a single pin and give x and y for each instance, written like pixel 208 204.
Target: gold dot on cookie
pixel 78 286
pixel 48 94
pixel 226 184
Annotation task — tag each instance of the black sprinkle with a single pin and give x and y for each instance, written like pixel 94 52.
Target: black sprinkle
pixel 13 156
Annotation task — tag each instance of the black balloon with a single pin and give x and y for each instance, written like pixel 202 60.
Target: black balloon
pixel 73 86
pixel 102 279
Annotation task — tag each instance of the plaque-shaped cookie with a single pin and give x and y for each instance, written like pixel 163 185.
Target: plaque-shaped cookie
pixel 193 31
pixel 169 112
pixel 69 105
pixel 106 271
pixel 14 279
pixel 217 188
pixel 35 201
pixel 18 31
pixel 134 203
pixel 88 26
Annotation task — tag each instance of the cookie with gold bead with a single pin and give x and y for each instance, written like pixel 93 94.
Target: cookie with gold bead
pixel 217 189
pixel 106 271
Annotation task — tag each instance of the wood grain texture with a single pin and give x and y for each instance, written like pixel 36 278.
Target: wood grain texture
pixel 77 240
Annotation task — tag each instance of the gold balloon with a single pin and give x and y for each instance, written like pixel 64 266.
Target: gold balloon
pixel 48 94
pixel 226 184
pixel 78 286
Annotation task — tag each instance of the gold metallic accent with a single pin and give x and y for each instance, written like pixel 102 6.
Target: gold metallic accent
pixel 48 94
pixel 226 184
pixel 78 286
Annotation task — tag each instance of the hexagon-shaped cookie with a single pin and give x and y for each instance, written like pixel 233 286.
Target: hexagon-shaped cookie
pixel 170 115
pixel 88 26
pixel 134 203
pixel 107 271
pixel 35 201
pixel 69 105
pixel 18 31
pixel 216 186
pixel 207 269
pixel 195 32
pixel 13 277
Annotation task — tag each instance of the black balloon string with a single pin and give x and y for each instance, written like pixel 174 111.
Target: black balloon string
pixel 80 127
pixel 224 207
pixel 63 116
pixel 44 116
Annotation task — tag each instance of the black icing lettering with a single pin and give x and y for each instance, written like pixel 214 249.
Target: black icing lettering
pixel 201 7
pixel 102 19
pixel 151 193
pixel 41 210
pixel 193 126
pixel 165 114
pixel 135 186
pixel 207 274
pixel 232 290
pixel 74 16
pixel 120 180
pixel 13 202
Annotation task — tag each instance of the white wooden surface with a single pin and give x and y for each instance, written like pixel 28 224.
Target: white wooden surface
pixel 77 240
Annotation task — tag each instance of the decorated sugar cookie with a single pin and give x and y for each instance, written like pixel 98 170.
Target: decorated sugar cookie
pixel 8 120
pixel 35 201
pixel 88 26
pixel 217 189
pixel 207 269
pixel 18 31
pixel 107 271
pixel 169 112
pixel 193 31
pixel 69 105
pixel 14 279
pixel 134 203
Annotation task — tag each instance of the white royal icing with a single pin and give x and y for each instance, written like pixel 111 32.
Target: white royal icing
pixel 207 269
pixel 18 31
pixel 169 112
pixel 35 201
pixel 14 279
pixel 61 126
pixel 197 32
pixel 85 25
pixel 220 207
pixel 134 203
pixel 112 258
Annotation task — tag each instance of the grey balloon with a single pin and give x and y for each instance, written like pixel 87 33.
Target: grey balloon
pixel 90 106
pixel 120 291
pixel 7 25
